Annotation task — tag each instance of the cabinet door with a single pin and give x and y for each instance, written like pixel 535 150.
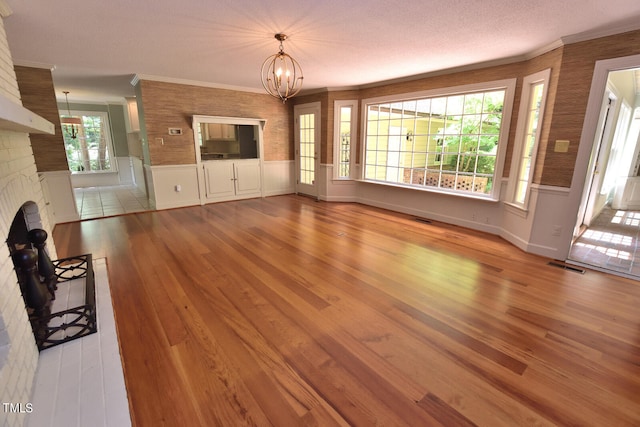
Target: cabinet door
pixel 248 177
pixel 219 179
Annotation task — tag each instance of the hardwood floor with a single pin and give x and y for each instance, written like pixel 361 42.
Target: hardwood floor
pixel 284 311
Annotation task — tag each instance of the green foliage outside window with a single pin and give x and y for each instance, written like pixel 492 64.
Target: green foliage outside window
pixel 87 144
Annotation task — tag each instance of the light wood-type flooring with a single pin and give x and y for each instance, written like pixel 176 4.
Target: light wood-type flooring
pixel 284 311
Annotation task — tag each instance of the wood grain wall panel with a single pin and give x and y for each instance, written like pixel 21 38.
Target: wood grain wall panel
pixel 38 95
pixel 574 85
pixel 171 105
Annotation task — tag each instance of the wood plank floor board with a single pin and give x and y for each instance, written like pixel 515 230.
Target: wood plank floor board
pixel 287 311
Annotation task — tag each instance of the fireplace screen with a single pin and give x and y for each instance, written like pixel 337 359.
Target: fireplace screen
pixel 53 320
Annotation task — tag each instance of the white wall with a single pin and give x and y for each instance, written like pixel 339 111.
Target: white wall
pixel 19 183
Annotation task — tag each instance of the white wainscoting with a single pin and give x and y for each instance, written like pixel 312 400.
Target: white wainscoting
pixel 278 177
pixel 174 186
pixel 335 190
pixel 138 173
pixel 124 175
pixel 544 227
pixel 59 197
pixel 483 215
pixel 125 170
pixel 95 179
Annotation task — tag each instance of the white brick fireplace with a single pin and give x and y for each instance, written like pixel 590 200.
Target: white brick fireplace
pixel 19 186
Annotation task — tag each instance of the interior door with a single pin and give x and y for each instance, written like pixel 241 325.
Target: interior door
pixel 592 199
pixel 307 140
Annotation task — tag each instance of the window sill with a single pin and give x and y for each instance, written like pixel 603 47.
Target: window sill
pixel 93 172
pixel 485 198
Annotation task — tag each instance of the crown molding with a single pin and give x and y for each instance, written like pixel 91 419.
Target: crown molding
pixel 138 77
pixel 32 64
pixel 611 30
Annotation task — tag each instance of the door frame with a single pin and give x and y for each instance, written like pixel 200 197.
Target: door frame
pixel 581 174
pixel 298 110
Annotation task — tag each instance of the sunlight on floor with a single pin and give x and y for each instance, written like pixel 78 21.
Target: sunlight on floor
pixel 611 242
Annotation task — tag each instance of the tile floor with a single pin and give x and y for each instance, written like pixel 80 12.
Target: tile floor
pixel 81 382
pixel 612 242
pixel 98 202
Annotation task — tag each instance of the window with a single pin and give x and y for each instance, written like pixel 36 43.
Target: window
pixel 449 141
pixel 345 113
pixel 87 141
pixel 534 93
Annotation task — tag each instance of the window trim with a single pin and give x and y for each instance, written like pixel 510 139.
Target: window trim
pixel 337 105
pixel 112 155
pixel 508 85
pixel 521 128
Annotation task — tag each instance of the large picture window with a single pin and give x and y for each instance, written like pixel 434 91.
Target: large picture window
pixel 449 142
pixel 87 142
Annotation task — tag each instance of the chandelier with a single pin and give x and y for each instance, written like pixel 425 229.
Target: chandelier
pixel 74 122
pixel 281 74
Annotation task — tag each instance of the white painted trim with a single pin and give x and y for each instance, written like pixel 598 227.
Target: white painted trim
pixel 508 85
pixel 541 77
pixel 596 94
pixel 618 28
pixel 138 77
pixel 314 108
pixel 337 106
pixel 14 117
pixel 195 125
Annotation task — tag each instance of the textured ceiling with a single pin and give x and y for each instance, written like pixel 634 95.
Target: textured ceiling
pixel 97 46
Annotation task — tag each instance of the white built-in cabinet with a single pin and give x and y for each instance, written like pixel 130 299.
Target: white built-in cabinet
pixel 231 179
pixel 228 157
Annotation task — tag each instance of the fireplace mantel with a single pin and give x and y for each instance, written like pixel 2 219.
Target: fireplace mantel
pixel 14 117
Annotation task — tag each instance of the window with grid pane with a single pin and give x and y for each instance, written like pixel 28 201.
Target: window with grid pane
pixel 534 90
pixel 87 142
pixel 344 153
pixel 447 142
pixel 307 149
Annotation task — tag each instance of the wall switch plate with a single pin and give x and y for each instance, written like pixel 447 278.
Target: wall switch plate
pixel 562 146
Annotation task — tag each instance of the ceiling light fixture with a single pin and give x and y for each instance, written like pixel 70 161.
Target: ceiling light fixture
pixel 74 122
pixel 281 74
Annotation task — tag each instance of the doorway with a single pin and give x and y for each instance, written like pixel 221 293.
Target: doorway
pixel 307 140
pixel 607 230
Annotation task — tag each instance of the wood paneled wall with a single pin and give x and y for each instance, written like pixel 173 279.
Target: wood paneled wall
pixel 38 95
pixel 173 105
pixel 574 85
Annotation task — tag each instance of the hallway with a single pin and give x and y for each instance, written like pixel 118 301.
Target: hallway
pixel 99 202
pixel 611 243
